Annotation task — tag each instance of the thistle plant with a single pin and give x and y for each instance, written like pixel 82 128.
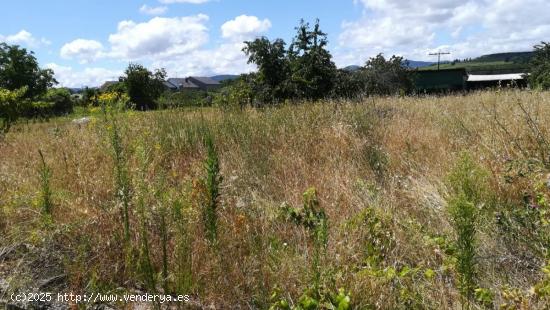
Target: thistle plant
pixel 122 179
pixel 468 183
pixel 212 183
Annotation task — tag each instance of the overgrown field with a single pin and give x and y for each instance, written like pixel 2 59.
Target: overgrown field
pixel 388 203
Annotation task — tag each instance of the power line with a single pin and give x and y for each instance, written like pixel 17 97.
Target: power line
pixel 438 54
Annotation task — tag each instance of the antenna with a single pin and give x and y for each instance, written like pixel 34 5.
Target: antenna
pixel 438 54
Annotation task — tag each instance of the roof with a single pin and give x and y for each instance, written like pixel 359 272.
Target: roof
pixel 182 83
pixel 495 77
pixel 205 80
pixel 169 85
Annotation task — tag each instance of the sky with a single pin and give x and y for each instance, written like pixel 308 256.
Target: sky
pixel 88 42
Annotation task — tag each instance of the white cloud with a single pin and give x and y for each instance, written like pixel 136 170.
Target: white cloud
pixel 158 10
pixel 227 58
pixel 177 44
pixel 92 77
pixel 244 27
pixel 24 38
pixel 183 1
pixel 467 28
pixel 84 50
pixel 159 38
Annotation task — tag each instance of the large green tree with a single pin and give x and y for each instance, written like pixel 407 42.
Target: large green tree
pixel 144 87
pixel 540 66
pixel 305 70
pixel 19 68
pixel 273 68
pixel 313 72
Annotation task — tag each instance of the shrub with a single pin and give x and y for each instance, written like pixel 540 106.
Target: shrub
pixel 387 77
pixel 12 105
pixel 238 94
pixel 61 99
pixel 181 99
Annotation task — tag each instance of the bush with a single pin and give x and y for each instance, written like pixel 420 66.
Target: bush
pixel 540 67
pixel 61 100
pixel 187 98
pixel 56 101
pixel 11 106
pixel 238 94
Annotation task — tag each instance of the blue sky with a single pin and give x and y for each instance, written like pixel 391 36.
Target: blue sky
pixel 87 42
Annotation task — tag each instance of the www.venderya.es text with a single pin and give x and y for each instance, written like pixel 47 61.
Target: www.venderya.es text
pixel 97 298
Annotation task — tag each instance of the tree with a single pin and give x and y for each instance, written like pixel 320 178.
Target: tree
pixel 19 68
pixel 386 77
pixel 313 72
pixel 144 87
pixel 540 66
pixel 273 67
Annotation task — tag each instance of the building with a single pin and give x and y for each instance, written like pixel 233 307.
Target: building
pixel 440 80
pixel 460 79
pixel 480 81
pixel 192 83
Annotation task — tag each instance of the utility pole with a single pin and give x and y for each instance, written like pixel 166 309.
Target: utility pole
pixel 438 54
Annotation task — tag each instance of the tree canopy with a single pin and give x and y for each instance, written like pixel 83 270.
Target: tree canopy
pixel 304 70
pixel 143 86
pixel 19 68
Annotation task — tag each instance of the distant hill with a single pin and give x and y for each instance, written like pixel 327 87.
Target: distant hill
pixel 516 62
pixel 224 77
pixel 413 64
pixel 518 57
pixel 351 68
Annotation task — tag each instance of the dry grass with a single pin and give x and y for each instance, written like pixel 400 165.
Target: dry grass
pixel 388 155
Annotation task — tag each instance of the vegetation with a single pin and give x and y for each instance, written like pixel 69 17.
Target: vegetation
pixel 540 66
pixel 143 86
pixel 12 104
pixel 19 68
pixel 451 214
pixel 306 71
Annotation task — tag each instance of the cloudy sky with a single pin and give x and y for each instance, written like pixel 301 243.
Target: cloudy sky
pixel 88 42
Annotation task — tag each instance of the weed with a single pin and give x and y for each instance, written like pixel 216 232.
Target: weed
pixel 183 276
pixel 212 181
pixel 45 174
pixel 145 266
pixel 122 178
pixel 468 185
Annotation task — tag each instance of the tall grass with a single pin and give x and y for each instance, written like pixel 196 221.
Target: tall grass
pixel 413 224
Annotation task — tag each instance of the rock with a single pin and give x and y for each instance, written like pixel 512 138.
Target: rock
pixel 81 121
